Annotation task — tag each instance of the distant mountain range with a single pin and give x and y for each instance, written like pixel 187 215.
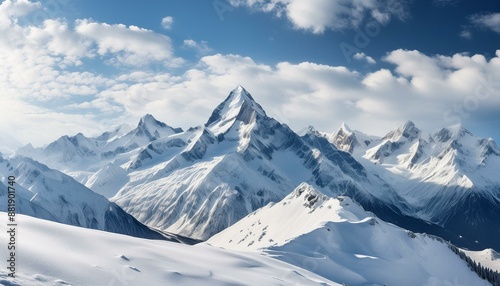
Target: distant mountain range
pixel 198 182
pixel 449 178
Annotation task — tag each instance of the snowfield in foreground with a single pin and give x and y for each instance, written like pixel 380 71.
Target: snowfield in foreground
pixel 50 253
pixel 337 239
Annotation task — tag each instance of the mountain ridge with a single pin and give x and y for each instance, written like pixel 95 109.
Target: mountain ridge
pixel 184 171
pixel 336 239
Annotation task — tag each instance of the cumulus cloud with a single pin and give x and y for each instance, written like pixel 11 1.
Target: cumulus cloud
pixel 167 22
pixel 363 57
pixel 43 81
pixel 48 93
pixel 489 21
pixel 434 91
pixel 319 15
pixel 131 45
pixel 10 10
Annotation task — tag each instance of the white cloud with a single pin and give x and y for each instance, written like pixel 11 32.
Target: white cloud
pixel 433 91
pixel 10 10
pixel 490 21
pixel 167 22
pixel 201 48
pixel 363 57
pixel 320 15
pixel 130 45
pixel 43 77
pixel 48 92
pixel 466 34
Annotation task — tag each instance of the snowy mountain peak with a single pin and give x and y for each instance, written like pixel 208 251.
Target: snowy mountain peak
pixel 148 120
pixel 490 147
pixel 118 132
pixel 344 139
pixel 238 106
pixel 303 211
pixel 153 129
pixel 307 193
pixel 345 128
pixel 311 131
pixel 406 131
pixel 452 132
pixel 342 242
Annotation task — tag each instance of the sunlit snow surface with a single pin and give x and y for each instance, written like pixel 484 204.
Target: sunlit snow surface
pixel 49 253
pixel 488 258
pixel 337 239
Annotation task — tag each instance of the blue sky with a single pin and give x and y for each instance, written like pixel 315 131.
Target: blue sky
pixel 85 66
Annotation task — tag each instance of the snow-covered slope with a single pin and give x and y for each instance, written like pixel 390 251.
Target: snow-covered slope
pixel 107 180
pixel 52 195
pixel 201 181
pixel 487 257
pixel 448 178
pixel 337 239
pixel 56 254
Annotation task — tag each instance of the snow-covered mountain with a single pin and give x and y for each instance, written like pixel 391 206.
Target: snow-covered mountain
pixel 201 181
pixel 49 194
pixel 81 156
pixel 348 140
pixel 56 254
pixel 448 178
pixel 337 239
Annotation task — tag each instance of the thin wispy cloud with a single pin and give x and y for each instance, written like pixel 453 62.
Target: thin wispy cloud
pixel 466 34
pixel 489 21
pixel 201 47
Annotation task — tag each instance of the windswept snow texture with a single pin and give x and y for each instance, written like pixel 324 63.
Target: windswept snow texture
pixel 56 254
pixel 337 239
pixel 449 178
pixel 49 194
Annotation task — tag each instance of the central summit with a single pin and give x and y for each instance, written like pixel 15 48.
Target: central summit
pixel 238 106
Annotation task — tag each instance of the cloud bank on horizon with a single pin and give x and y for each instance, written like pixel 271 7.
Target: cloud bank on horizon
pixel 60 76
